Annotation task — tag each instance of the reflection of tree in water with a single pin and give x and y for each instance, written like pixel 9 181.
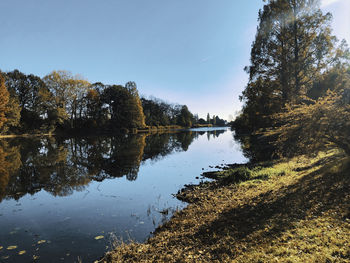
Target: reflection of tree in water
pixel 62 166
pixel 214 133
pixel 125 156
pixel 42 164
pixel 255 147
pixel 160 145
pixel 9 163
pixel 4 174
pixel 186 138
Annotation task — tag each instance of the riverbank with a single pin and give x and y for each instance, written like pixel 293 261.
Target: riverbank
pixel 289 211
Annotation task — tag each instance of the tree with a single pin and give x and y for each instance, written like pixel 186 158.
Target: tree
pixel 134 106
pixel 94 110
pixel 9 109
pixel 13 116
pixel 336 77
pixel 202 121
pixel 213 121
pixel 67 91
pixel 31 93
pixel 208 118
pixel 4 99
pixel 195 119
pixel 124 106
pixel 185 118
pixel 293 45
pixel 305 129
pixel 321 122
pixel 156 112
pixel 219 122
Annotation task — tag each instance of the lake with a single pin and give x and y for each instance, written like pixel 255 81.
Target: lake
pixel 64 199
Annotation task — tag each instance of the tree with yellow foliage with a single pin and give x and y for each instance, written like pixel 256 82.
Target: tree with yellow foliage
pixel 4 99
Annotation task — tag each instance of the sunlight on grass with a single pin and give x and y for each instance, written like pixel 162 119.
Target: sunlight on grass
pixel 293 210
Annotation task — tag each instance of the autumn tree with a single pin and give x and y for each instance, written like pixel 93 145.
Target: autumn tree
pixel 10 109
pixel 319 126
pixel 124 106
pixel 4 99
pixel 67 91
pixel 30 92
pixel 293 45
pixel 322 122
pixel 298 82
pixel 135 105
pixel 93 107
pixel 185 118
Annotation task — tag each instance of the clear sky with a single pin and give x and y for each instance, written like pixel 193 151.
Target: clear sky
pixel 186 51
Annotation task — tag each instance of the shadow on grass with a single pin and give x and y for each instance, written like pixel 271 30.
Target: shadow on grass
pixel 275 212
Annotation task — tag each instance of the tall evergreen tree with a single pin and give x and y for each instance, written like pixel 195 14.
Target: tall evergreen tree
pixel 293 45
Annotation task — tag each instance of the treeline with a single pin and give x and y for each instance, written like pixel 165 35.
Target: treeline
pixel 297 99
pixel 214 121
pixel 61 102
pixel 161 113
pixel 158 112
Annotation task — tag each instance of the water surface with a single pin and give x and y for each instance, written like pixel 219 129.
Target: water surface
pixel 61 199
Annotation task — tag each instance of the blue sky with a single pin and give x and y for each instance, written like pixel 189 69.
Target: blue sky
pixel 186 51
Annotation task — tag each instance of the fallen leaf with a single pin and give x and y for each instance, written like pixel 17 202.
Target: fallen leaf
pixel 21 252
pixel 11 247
pixel 41 241
pixel 99 237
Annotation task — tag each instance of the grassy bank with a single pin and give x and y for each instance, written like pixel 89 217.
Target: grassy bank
pixel 290 211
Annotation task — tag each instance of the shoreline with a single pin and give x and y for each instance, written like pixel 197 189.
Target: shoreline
pixel 256 213
pixel 150 129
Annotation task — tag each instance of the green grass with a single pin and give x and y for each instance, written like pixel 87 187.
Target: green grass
pixel 244 173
